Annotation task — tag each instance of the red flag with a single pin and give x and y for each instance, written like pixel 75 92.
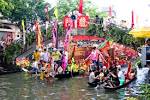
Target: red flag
pixel 81 6
pixel 132 23
pixel 110 11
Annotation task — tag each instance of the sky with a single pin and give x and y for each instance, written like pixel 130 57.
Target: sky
pixel 124 8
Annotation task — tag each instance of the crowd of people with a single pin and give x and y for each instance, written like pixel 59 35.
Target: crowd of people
pixel 50 63
pixel 108 70
pixel 102 68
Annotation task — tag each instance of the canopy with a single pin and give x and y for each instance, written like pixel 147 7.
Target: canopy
pixel 85 37
pixel 143 32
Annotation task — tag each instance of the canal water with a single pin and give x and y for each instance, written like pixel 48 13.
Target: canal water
pixel 20 86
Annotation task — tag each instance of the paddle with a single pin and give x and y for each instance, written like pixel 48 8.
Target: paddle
pixel 25 70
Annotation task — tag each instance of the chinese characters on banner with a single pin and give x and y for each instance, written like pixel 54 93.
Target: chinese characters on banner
pixel 68 22
pixel 83 21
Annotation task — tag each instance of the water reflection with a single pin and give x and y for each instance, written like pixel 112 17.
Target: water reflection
pixel 22 87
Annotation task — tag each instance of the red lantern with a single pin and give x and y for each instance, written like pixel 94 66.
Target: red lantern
pixel 83 21
pixel 67 22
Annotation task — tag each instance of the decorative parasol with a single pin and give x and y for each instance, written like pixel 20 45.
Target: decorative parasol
pixel 143 32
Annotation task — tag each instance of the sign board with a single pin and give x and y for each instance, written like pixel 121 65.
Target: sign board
pixel 83 21
pixel 67 22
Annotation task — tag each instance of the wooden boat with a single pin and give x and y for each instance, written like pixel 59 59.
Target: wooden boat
pixel 106 87
pixel 67 75
pixel 92 84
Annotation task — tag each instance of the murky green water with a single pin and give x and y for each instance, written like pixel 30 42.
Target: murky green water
pixel 22 87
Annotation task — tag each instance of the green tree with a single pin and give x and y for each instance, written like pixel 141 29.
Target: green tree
pixel 11 52
pixel 5 7
pixel 16 10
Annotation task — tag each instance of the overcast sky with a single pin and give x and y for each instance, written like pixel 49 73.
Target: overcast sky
pixel 123 9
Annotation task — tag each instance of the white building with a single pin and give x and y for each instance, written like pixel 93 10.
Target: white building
pixel 9 32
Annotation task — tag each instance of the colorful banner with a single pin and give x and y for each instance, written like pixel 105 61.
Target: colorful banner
pixel 39 38
pixel 83 21
pixel 54 31
pixel 132 20
pixel 23 26
pixel 56 12
pixel 67 22
pixel 67 38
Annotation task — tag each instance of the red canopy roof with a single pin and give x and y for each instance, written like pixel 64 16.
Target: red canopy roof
pixel 85 37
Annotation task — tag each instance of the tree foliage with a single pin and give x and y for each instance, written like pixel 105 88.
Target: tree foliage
pixel 16 10
pixel 120 35
pixel 11 52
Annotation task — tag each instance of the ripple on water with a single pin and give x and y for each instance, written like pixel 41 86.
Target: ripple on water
pixel 82 90
pixel 88 94
pixel 5 83
pixel 52 94
pixel 3 93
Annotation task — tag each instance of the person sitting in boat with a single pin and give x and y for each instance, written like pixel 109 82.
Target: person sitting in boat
pixel 121 76
pixel 131 75
pixel 92 78
pixel 130 72
pixel 122 62
pixel 113 79
pixel 105 71
pixel 101 76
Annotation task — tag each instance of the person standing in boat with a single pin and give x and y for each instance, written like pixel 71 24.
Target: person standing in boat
pixel 35 67
pixel 36 55
pixel 57 58
pixel 45 56
pixel 94 56
pixel 64 60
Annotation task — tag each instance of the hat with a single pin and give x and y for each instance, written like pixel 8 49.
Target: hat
pixel 95 45
pixel 104 67
pixel 40 49
pixel 54 49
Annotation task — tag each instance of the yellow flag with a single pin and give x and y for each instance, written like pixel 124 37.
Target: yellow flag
pixel 23 27
pixel 56 12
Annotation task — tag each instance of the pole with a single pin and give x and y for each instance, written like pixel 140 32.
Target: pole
pixel 24 38
pixel 57 36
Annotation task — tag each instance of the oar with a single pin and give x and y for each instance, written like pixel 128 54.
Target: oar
pixel 25 70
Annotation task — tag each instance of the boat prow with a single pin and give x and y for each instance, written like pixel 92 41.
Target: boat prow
pixel 121 86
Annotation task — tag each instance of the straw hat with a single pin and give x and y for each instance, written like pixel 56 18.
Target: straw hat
pixel 95 45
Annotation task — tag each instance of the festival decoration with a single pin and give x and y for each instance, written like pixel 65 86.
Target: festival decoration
pixel 67 38
pixel 23 62
pixel 132 20
pixel 54 31
pixel 83 21
pixel 81 6
pixel 67 22
pixel 39 38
